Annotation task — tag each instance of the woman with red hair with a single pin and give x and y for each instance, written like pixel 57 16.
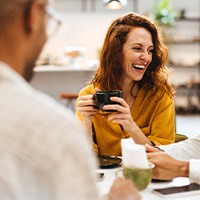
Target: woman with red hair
pixel 133 59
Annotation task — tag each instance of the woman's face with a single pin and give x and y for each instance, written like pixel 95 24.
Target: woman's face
pixel 137 54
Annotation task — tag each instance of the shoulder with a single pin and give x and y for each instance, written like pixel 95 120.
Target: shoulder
pixel 87 90
pixel 161 91
pixel 164 94
pixel 157 93
pixel 31 114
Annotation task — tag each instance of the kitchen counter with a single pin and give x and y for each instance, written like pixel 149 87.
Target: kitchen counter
pixel 53 80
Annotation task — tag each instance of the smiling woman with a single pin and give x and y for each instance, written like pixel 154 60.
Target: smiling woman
pixel 133 60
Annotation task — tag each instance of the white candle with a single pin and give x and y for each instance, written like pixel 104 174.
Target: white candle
pixel 133 155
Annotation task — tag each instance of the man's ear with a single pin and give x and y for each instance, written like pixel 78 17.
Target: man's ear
pixel 31 16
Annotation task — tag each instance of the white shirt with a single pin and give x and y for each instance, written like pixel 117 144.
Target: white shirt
pixel 187 150
pixel 44 154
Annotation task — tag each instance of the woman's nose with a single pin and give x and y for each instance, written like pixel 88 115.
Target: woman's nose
pixel 146 56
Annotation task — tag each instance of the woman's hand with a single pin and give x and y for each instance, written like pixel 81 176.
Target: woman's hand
pixel 122 115
pixel 166 167
pixel 86 107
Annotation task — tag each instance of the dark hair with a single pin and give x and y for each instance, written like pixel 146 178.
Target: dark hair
pixel 109 73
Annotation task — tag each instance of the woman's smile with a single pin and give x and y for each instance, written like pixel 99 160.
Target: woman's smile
pixel 138 67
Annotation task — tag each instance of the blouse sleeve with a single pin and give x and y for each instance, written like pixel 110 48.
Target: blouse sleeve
pixel 187 150
pixel 194 173
pixel 184 150
pixel 163 124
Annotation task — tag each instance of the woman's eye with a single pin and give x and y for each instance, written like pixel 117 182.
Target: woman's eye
pixel 151 51
pixel 137 48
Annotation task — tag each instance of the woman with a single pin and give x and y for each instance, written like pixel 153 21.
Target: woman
pixel 132 59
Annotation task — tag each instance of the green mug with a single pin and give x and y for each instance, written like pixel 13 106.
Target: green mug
pixel 139 176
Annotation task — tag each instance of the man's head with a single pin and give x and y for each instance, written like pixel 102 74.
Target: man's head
pixel 24 31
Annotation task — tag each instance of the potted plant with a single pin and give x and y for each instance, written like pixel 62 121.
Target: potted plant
pixel 164 13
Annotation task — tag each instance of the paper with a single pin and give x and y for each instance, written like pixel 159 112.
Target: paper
pixel 133 155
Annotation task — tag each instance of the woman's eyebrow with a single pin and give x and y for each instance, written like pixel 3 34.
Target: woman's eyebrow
pixel 151 46
pixel 137 44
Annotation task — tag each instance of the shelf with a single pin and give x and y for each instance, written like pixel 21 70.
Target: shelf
pixel 184 66
pixel 178 39
pixel 54 68
pixel 189 19
pixel 182 42
pixel 191 110
pixel 187 92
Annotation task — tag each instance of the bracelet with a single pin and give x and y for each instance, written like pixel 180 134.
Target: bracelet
pixel 158 148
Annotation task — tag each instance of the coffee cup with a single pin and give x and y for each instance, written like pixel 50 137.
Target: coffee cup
pixel 103 98
pixel 141 177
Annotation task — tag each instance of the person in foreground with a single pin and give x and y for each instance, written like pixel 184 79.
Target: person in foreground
pixel 44 154
pixel 180 159
pixel 133 59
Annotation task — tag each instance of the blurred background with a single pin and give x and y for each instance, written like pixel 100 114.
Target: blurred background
pixel 70 58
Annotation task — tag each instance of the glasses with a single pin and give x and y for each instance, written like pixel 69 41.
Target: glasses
pixel 53 22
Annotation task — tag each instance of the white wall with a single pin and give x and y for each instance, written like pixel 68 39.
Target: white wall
pixel 80 29
pixel 89 27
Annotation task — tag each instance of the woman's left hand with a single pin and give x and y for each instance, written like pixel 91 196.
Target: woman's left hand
pixel 122 115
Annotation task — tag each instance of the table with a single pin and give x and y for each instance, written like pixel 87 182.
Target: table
pixel 109 175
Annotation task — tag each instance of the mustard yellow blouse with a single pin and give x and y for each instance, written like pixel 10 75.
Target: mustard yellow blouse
pixel 154 114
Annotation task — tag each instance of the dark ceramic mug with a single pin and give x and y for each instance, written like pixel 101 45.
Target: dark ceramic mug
pixel 103 98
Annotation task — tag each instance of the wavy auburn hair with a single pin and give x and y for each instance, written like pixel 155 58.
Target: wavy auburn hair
pixel 109 73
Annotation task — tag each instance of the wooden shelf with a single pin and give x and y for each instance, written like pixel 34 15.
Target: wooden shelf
pixel 182 42
pixel 183 66
pixel 188 92
pixel 191 110
pixel 190 19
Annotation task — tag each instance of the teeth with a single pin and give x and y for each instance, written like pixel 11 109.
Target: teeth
pixel 139 66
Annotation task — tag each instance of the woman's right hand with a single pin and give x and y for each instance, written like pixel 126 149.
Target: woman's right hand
pixel 86 106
